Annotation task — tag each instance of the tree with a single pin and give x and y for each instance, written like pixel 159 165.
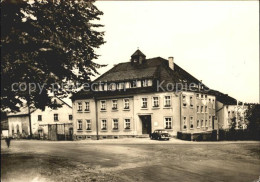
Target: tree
pixel 253 117
pixel 46 42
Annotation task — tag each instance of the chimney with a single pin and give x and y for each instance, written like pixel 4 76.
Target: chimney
pixel 171 62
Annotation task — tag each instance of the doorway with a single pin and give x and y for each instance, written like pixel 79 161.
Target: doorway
pixel 146 124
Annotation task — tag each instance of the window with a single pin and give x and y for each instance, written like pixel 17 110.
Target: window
pixel 209 100
pixel 127 124
pixel 201 109
pixel 184 101
pixel 39 117
pixel 191 122
pixel 79 124
pixel 103 105
pixel 126 104
pixel 168 122
pixel 213 104
pixel 103 124
pixel 133 84
pixel 114 104
pixel 115 124
pixel 184 123
pixel 167 101
pixel 70 117
pixel 210 121
pixel 80 106
pixel 197 96
pixel 206 109
pixel 206 123
pixel 88 124
pixel 191 102
pixel 201 96
pixel 198 123
pixel 145 83
pixel 206 97
pixel 155 101
pixel 198 108
pixel 56 117
pixel 144 102
pixel 202 123
pixel 87 106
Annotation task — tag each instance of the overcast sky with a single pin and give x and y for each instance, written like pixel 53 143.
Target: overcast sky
pixel 215 41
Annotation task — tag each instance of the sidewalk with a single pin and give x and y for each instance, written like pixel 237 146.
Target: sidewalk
pixel 142 141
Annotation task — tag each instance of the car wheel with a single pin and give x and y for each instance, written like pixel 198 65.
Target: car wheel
pixel 159 138
pixel 151 137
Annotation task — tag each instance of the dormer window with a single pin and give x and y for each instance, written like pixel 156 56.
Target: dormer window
pixel 138 58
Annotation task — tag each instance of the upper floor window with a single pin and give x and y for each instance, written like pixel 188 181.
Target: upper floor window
pixel 127 124
pixel 191 122
pixel 155 101
pixel 56 117
pixel 206 96
pixel 79 106
pixel 39 117
pixel 79 125
pixel 197 96
pixel 70 117
pixel 191 102
pixel 126 104
pixel 168 122
pixel 103 124
pixel 201 96
pixel 144 102
pixel 213 104
pixel 198 108
pixel 86 106
pixel 145 83
pixel 114 104
pixel 206 109
pixel 133 84
pixel 202 123
pixel 201 109
pixel 209 100
pixel 103 105
pixel 184 101
pixel 206 123
pixel 167 101
pixel 184 123
pixel 115 124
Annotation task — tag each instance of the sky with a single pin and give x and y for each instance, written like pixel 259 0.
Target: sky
pixel 215 41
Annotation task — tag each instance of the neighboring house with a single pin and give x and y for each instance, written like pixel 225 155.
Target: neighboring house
pixel 4 125
pixel 41 121
pixel 136 97
pixel 227 109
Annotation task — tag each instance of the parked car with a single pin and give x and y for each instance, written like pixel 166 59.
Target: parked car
pixel 160 134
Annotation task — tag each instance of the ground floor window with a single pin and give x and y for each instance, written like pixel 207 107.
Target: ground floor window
pixel 127 124
pixel 115 124
pixel 104 124
pixel 88 124
pixel 79 125
pixel 184 123
pixel 206 123
pixel 210 122
pixel 198 123
pixel 191 122
pixel 202 123
pixel 168 123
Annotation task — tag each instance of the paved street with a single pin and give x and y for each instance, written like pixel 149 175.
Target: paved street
pixel 130 160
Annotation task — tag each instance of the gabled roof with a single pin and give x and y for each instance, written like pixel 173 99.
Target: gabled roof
pixel 155 68
pixel 223 98
pixel 138 53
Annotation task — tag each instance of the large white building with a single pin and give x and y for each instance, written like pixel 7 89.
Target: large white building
pixel 134 98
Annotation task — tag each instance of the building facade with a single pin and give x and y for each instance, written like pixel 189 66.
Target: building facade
pixel 41 121
pixel 137 97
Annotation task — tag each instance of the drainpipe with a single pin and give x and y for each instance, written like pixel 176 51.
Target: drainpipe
pixel 96 108
pixel 180 110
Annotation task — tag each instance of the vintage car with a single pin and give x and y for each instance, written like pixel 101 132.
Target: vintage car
pixel 160 134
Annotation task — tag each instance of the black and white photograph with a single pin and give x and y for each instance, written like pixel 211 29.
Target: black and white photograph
pixel 126 91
